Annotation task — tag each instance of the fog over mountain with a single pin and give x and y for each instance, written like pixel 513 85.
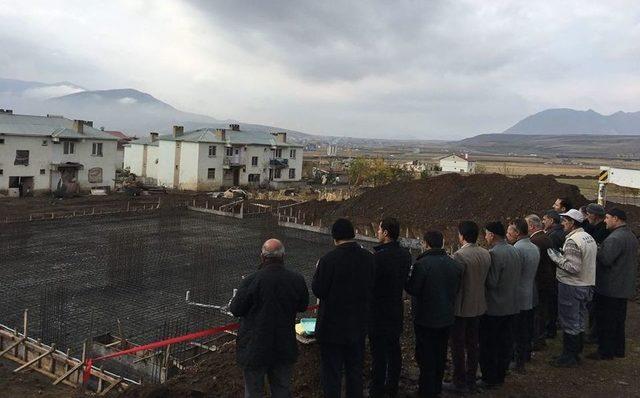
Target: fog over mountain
pixel 569 121
pixel 129 110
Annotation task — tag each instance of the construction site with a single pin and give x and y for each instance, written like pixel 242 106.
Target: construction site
pixel 110 275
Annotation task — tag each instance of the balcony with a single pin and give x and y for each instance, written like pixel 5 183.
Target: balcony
pixel 278 163
pixel 233 161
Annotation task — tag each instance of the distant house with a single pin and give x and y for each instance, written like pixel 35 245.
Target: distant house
pixel 122 141
pixel 141 157
pixel 211 158
pixel 457 164
pixel 43 153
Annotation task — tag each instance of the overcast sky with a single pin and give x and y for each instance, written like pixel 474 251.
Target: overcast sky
pixel 427 69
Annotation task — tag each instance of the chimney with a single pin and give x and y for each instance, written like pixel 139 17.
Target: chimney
pixel 78 125
pixel 154 136
pixel 178 131
pixel 234 127
pixel 221 134
pixel 280 137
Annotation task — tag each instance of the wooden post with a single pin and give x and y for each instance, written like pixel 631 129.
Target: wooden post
pixel 84 357
pixel 25 323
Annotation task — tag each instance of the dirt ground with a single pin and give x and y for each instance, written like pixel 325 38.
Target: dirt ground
pixel 438 202
pixel 218 376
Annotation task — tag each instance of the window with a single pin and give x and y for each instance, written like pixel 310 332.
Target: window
pixel 212 150
pixel 68 147
pixel 292 154
pixel 254 161
pixel 229 151
pixel 97 149
pixel 254 177
pixel 278 153
pixel 211 174
pixel 45 142
pixel 43 171
pixel 1 172
pixel 277 173
pixel 22 158
pixel 292 174
pixel 1 140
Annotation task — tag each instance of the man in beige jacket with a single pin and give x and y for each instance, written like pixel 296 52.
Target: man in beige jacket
pixel 470 305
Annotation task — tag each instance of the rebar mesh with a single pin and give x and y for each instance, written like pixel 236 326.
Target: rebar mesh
pixel 78 277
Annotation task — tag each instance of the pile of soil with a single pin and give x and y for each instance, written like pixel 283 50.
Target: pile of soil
pixel 441 202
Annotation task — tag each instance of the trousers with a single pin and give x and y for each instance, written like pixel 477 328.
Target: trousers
pixel 386 363
pixel 464 350
pixel 339 358
pixel 431 355
pixel 279 381
pixel 611 315
pixel 496 347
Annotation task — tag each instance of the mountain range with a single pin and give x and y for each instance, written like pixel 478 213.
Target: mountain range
pixel 565 121
pixel 134 112
pixel 137 113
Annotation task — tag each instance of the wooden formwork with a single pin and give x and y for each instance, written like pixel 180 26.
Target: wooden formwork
pixel 60 366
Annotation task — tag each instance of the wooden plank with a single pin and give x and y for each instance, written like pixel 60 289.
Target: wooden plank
pixel 111 387
pixel 68 373
pixel 12 346
pixel 36 359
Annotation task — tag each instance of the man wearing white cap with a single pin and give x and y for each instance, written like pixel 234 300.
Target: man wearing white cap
pixel 576 274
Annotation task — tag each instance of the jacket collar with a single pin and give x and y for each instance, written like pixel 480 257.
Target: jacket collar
pixel 535 233
pixel 386 246
pixel 348 245
pixel 575 231
pixel 432 252
pixel 272 262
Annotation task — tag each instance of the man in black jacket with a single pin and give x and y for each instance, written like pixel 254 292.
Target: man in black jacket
pixel 596 226
pixel 433 283
pixel 343 282
pixel 616 274
pixel 267 302
pixel 392 264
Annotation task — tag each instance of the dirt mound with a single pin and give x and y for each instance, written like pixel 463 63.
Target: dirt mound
pixel 440 202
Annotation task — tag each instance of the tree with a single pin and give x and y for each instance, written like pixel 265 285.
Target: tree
pixel 376 172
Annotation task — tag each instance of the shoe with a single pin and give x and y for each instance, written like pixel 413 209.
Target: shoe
pixel 564 362
pixel 539 345
pixel 454 388
pixel 569 357
pixel 520 369
pixel 483 385
pixel 596 356
pixel 591 339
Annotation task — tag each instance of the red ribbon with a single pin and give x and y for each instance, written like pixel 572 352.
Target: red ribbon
pixel 88 364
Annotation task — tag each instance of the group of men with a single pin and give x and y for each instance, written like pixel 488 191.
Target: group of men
pixel 491 307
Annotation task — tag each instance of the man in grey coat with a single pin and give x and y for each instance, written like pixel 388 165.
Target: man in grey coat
pixel 576 274
pixel 496 326
pixel 616 272
pixel 529 259
pixel 470 305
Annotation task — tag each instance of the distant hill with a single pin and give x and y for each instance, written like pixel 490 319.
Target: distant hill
pixel 569 121
pixel 568 145
pixel 129 110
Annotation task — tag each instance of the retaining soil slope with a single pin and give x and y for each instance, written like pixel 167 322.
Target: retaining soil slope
pixel 441 202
